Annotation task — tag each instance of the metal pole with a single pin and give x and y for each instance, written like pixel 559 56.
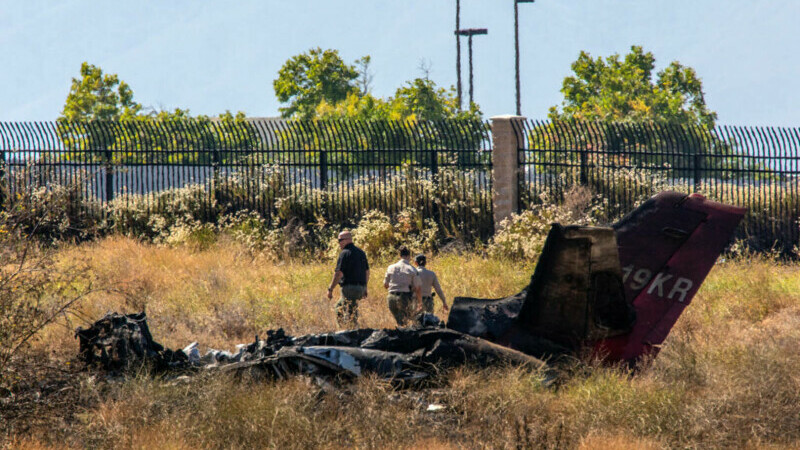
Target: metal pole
pixel 471 101
pixel 458 52
pixel 516 53
pixel 469 33
pixel 109 172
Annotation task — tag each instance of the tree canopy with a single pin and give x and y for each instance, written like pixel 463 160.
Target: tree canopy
pixel 427 112
pixel 622 89
pixel 421 98
pixel 318 84
pixel 307 79
pixel 627 90
pixel 418 99
pixel 100 114
pixel 95 96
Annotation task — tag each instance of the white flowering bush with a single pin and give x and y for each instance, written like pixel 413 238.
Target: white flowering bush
pixel 51 212
pixel 196 234
pixel 376 235
pixel 260 238
pixel 380 236
pixel 158 215
pixel 521 237
pixel 406 206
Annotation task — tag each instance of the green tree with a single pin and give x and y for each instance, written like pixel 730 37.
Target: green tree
pixel 307 79
pixel 623 90
pixel 602 95
pixel 358 107
pixel 419 115
pixel 95 96
pixel 618 112
pixel 101 121
pixel 364 81
pixel 417 100
pixel 318 84
pixel 419 110
pixel 421 99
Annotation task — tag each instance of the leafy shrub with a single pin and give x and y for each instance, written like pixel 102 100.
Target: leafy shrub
pixel 53 211
pixel 293 240
pixel 380 237
pixel 522 236
pixel 153 216
pixel 267 187
pixel 427 211
pixel 621 188
pixel 195 234
pixel 376 235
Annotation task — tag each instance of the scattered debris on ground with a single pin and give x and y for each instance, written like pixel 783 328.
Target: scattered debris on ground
pixel 411 354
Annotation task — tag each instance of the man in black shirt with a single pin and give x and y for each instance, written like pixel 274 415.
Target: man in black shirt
pixel 352 274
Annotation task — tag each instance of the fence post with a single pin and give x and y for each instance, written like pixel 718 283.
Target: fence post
pixel 109 174
pixel 507 139
pixel 434 162
pixel 698 162
pixel 2 177
pixel 215 161
pixel 584 175
pixel 323 169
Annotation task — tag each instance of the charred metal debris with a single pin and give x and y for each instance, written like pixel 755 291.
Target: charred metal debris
pixel 117 342
pixel 616 291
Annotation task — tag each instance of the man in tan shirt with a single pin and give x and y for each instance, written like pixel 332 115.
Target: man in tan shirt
pixel 403 283
pixel 428 282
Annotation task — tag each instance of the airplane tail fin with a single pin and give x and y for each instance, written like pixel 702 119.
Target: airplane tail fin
pixel 620 290
pixel 667 246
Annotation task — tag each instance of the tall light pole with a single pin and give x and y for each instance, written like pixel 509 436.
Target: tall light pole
pixel 469 32
pixel 516 49
pixel 458 52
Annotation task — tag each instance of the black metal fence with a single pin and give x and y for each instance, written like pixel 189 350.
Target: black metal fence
pixel 334 171
pixel 440 171
pixel 754 167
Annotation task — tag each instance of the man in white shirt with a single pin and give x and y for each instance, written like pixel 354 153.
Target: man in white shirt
pixel 428 282
pixel 403 283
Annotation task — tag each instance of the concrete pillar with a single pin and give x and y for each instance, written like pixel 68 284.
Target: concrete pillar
pixel 507 139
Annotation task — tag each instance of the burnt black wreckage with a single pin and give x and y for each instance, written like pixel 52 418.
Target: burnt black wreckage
pixel 614 290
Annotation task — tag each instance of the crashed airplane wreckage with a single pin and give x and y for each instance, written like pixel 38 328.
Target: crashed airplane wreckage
pixel 402 354
pixel 616 291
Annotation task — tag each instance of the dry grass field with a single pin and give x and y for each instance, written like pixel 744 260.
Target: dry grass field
pixel 728 375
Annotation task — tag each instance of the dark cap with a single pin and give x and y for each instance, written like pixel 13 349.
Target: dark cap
pixel 420 259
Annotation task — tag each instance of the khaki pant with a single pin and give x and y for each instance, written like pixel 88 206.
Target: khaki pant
pixel 402 306
pixel 347 306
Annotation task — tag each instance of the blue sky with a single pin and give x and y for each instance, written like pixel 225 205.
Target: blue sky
pixel 210 56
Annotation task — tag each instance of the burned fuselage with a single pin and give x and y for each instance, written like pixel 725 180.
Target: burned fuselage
pixel 575 295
